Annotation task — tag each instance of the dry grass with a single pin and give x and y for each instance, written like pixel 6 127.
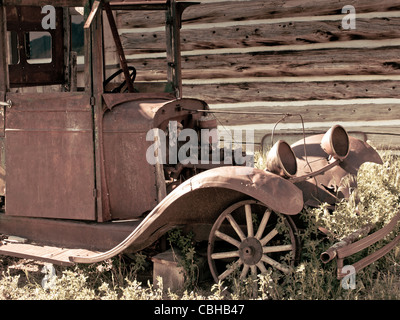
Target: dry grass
pixel 118 279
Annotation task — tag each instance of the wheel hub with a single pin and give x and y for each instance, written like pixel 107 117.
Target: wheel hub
pixel 250 251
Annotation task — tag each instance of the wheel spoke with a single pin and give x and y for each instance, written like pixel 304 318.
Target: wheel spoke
pixel 229 270
pixel 227 238
pixel 253 270
pixel 261 266
pixel 226 273
pixel 269 236
pixel 286 247
pixel 249 220
pixel 275 264
pixel 245 271
pixel 223 255
pixel 263 223
pixel 236 227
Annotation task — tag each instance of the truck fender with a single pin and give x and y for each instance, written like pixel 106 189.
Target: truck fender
pixel 202 198
pixel 334 183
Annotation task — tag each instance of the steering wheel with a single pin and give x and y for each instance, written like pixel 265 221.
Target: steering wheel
pixel 118 89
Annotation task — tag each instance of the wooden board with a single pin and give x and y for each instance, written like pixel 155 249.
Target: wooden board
pixel 381 138
pixel 314 113
pixel 321 62
pixel 56 255
pixel 256 90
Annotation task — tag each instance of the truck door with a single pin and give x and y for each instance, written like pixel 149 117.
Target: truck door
pixel 49 156
pixel 48 135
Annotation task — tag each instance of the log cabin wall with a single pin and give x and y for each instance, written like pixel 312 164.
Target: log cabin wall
pixel 291 56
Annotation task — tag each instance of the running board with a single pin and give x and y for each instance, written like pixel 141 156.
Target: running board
pixel 55 255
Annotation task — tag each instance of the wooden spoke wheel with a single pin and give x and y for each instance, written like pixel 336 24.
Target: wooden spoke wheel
pixel 247 238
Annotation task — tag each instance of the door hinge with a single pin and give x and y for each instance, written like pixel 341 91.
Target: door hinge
pixel 94 193
pixel 92 101
pixel 6 104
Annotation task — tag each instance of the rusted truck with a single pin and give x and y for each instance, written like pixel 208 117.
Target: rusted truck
pixel 75 183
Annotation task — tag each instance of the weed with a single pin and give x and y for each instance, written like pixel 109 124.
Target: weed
pixel 376 200
pixel 186 256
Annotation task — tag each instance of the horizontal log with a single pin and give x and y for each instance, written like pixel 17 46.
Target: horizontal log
pixel 316 113
pixel 351 61
pixel 257 33
pixel 382 61
pixel 381 141
pixel 290 91
pixel 55 3
pixel 289 33
pixel 223 11
pixel 388 127
pixel 377 126
pixel 382 137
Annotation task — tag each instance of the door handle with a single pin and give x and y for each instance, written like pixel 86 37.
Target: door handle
pixel 6 104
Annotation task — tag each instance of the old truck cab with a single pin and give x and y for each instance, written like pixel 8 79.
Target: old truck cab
pixel 97 160
pixel 73 125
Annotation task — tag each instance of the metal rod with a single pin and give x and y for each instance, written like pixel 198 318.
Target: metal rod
pixel 371 239
pixel 242 112
pixel 348 246
pixel 331 253
pixel 315 173
pixel 372 257
pixel 120 50
pixel 92 14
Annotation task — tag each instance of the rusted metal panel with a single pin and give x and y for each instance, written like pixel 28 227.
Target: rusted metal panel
pixel 113 99
pixel 129 176
pixel 141 121
pixel 49 156
pixel 132 116
pixel 327 187
pixel 125 126
pixel 127 171
pixel 68 233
